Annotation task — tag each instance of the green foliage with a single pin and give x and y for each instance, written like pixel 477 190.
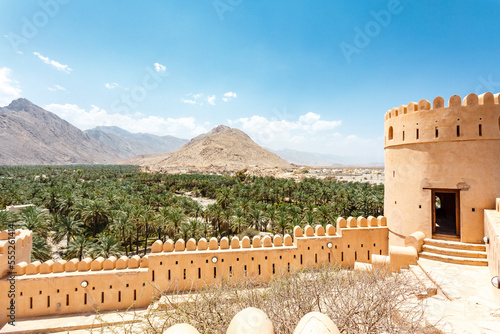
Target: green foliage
pixel 41 250
pixel 88 203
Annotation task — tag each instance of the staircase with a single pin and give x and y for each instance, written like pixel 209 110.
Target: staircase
pixel 454 252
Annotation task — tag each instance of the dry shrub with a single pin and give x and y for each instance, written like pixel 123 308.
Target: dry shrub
pixel 358 302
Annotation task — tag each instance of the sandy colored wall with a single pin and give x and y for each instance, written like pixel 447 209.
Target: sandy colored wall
pixel 468 162
pixel 17 244
pixel 492 230
pixel 55 287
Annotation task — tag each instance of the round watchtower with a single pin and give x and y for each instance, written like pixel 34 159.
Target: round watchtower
pixel 442 166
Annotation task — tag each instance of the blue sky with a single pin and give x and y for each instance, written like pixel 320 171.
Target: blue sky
pixel 308 75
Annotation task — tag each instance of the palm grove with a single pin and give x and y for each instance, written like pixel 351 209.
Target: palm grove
pixel 115 210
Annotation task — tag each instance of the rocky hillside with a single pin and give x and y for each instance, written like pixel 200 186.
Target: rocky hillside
pixel 222 148
pixel 128 144
pixel 30 135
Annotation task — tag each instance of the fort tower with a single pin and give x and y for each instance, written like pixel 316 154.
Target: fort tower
pixel 442 167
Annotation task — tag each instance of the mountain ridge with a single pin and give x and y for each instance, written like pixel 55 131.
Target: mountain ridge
pixel 128 144
pixel 24 141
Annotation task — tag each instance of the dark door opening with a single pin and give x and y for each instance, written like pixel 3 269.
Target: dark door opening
pixel 446 213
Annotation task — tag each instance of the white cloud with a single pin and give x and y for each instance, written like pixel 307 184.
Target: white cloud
pixel 9 88
pixel 56 88
pixel 111 85
pixel 196 99
pixel 184 127
pixel 57 65
pixel 229 96
pixel 211 100
pixel 160 68
pixel 188 101
pixel 306 133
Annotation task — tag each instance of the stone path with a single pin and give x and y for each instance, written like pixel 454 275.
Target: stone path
pixel 465 300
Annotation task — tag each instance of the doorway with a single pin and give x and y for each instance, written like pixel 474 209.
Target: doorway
pixel 446 213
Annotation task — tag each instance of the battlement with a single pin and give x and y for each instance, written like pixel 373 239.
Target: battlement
pixel 473 118
pixel 17 243
pixel 63 287
pixel 191 247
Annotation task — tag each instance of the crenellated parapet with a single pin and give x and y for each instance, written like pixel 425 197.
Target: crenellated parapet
pixel 74 286
pixel 193 247
pixel 473 118
pixel 85 265
pixel 15 247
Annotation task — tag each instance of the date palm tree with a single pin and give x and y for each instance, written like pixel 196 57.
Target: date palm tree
pixel 122 226
pixel 41 251
pixel 66 227
pixel 7 219
pixel 106 246
pixel 94 214
pixel 77 248
pixel 238 223
pixel 176 218
pixel 35 219
pixel 147 219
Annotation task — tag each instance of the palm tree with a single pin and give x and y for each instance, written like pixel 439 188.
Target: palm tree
pixel 256 215
pixel 147 218
pixel 205 229
pixel 121 224
pixel 65 203
pixel 77 248
pixel 237 224
pixel 106 246
pixel 185 231
pixel 35 219
pixel 271 213
pixel 7 219
pixel 309 217
pixel 162 218
pixel 282 222
pixel 66 227
pixel 94 213
pixel 176 218
pixel 224 198
pixel 194 226
pixel 41 251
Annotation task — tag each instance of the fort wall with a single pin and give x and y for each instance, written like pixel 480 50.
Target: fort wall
pixel 492 231
pixel 450 148
pixel 15 247
pixel 64 287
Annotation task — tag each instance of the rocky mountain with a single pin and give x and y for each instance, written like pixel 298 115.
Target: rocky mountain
pixel 222 148
pixel 30 135
pixel 128 144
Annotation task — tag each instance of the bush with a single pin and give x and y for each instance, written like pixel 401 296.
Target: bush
pixel 249 232
pixel 357 302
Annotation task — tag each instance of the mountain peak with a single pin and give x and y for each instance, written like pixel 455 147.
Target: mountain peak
pixel 20 104
pixel 33 135
pixel 222 148
pixel 221 128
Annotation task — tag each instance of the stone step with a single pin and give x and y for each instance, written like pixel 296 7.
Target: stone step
pixel 455 245
pixel 454 259
pixel 454 252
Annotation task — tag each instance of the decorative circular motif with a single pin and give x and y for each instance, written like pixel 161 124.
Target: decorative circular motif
pixel 495 281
